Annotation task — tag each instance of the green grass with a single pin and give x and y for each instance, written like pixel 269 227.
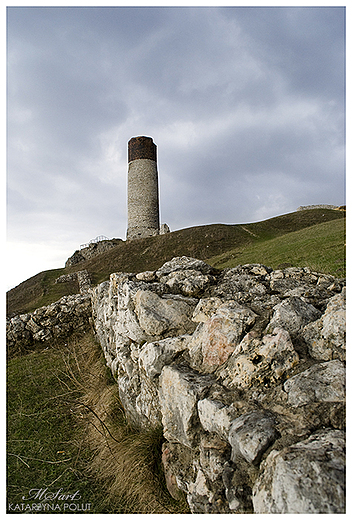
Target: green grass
pixel 46 449
pixel 66 430
pixel 320 247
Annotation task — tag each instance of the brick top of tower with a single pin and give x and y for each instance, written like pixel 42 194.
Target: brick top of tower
pixel 141 148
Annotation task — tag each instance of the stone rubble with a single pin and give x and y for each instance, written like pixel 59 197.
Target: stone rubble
pixel 244 369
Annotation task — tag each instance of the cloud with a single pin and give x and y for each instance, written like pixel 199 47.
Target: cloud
pixel 246 106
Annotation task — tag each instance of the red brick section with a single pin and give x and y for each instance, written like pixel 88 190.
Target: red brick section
pixel 141 148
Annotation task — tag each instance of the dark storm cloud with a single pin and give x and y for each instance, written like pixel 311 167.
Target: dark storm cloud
pixel 246 106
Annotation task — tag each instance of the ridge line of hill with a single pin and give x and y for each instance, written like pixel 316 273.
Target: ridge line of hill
pixel 203 242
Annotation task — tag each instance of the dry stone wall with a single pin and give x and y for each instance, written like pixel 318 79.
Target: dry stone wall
pixel 245 371
pixel 58 320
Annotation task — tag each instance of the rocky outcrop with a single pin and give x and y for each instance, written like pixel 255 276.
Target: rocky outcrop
pixel 57 320
pixel 92 249
pixel 244 369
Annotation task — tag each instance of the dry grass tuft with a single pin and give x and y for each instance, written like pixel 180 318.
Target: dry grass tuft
pixel 126 461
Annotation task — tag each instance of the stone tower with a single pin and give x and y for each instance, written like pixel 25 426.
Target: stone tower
pixel 143 190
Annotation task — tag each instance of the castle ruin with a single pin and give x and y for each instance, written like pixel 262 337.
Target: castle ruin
pixel 143 189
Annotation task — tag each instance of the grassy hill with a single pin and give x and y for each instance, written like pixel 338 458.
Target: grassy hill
pixel 314 238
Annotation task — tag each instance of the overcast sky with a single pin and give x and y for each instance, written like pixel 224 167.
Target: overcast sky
pixel 246 106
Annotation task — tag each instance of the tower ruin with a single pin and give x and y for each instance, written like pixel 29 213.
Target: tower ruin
pixel 143 189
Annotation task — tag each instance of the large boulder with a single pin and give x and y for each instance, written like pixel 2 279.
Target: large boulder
pixel 260 361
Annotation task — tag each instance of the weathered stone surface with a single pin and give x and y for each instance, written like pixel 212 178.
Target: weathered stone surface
pixel 168 457
pixel 237 489
pixel 216 417
pixel 57 320
pixel 154 356
pixel 164 229
pixel 307 477
pixel 178 461
pixel 163 316
pixel 260 361
pixel 82 277
pixel 213 454
pixel 217 338
pixel 146 276
pixel 242 283
pixel 71 277
pixel 321 382
pixel 251 434
pixel 184 263
pixel 93 249
pixel 84 281
pixel 147 403
pixel 293 314
pixel 189 282
pixel 205 308
pixel 326 337
pixel 180 390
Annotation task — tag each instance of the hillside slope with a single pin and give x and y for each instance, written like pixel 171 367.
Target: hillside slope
pixel 320 247
pixel 203 242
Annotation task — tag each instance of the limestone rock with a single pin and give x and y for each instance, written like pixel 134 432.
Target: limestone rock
pixel 127 320
pixel 180 389
pixel 218 337
pixel 168 457
pixel 56 320
pixel 146 276
pixel 216 417
pixel 66 278
pixel 321 382
pixel 84 281
pixel 326 337
pixel 205 309
pixel 292 314
pixel 161 317
pixel 154 356
pixel 260 361
pixel 251 434
pixel 307 477
pixel 164 229
pixel 178 462
pixel 91 250
pixel 242 283
pixel 184 263
pixel 237 489
pixel 189 282
pixel 213 454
